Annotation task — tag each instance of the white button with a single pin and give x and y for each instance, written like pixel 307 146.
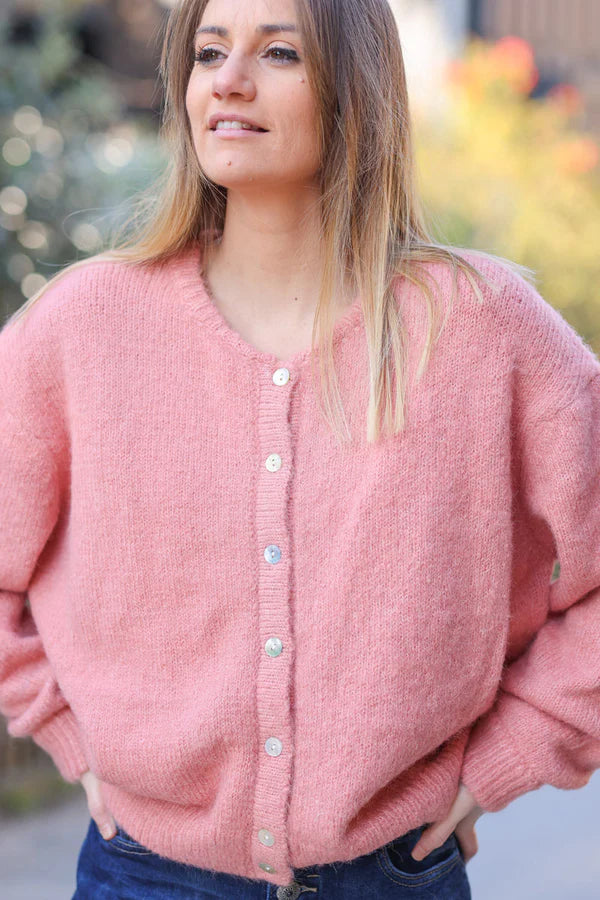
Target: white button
pixel 267 867
pixel 273 462
pixel 272 553
pixel 281 376
pixel 273 646
pixel 273 746
pixel 266 837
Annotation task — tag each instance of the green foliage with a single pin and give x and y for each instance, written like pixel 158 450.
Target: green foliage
pixel 70 156
pixel 505 171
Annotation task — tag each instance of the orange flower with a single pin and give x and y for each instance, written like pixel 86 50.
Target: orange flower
pixel 515 61
pixel 514 49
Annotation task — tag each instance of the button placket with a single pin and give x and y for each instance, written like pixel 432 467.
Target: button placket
pixel 274 681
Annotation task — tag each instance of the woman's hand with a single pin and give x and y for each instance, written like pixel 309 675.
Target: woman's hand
pixel 461 819
pixel 98 810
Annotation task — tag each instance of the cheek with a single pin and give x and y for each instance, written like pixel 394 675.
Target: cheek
pixel 194 103
pixel 302 127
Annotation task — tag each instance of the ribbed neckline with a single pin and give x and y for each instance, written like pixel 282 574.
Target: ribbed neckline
pixel 193 291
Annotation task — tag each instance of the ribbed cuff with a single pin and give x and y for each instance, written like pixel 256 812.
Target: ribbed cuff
pixel 494 767
pixel 60 738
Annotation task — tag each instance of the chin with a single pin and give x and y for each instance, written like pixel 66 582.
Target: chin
pixel 236 175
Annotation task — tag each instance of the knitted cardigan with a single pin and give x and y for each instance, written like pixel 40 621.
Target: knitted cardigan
pixel 274 649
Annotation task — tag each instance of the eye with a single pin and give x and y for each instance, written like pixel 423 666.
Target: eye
pixel 203 56
pixel 287 53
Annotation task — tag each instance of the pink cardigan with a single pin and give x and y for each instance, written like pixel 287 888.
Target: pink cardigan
pixel 278 651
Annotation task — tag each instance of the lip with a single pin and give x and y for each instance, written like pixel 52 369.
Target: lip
pixel 232 117
pixel 229 134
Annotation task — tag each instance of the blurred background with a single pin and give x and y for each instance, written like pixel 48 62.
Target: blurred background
pixel 506 112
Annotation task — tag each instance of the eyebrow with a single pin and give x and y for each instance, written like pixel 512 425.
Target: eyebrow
pixel 261 29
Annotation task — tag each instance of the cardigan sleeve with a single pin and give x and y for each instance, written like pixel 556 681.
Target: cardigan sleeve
pixel 30 500
pixel 544 725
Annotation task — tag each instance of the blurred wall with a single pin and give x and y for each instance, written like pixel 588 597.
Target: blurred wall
pixel 565 36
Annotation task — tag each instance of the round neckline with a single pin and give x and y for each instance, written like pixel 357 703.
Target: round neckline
pixel 193 290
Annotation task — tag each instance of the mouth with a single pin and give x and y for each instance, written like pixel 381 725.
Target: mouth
pixel 229 134
pixel 235 123
pixel 244 129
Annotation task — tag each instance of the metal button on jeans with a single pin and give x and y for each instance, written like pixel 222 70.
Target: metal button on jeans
pixel 289 891
pixel 292 890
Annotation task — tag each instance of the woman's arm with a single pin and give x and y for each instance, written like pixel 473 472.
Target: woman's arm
pixel 544 727
pixel 30 501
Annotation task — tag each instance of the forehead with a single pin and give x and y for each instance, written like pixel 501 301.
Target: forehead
pixel 247 14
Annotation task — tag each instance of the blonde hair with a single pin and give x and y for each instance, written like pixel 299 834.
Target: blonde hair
pixel 372 224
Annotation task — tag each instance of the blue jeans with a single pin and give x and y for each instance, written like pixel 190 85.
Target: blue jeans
pixel 123 869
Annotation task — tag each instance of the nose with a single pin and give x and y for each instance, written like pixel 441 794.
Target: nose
pixel 233 77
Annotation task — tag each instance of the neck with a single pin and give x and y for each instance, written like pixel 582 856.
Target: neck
pixel 270 258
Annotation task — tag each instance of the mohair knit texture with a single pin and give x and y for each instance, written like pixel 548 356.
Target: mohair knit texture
pixel 276 650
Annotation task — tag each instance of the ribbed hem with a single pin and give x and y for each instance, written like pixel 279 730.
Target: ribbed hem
pixel 60 738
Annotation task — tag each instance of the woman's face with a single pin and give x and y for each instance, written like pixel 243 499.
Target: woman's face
pixel 261 75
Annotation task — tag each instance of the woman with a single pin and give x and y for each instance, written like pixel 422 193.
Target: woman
pixel 281 664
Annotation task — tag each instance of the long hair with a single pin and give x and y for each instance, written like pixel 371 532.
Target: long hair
pixel 372 223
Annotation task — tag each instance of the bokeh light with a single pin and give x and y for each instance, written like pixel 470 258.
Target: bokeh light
pixel 28 120
pixel 11 223
pixel 31 284
pixel 33 236
pixel 86 237
pixel 18 266
pixel 110 152
pixel 16 151
pixel 118 151
pixel 13 200
pixel 49 142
